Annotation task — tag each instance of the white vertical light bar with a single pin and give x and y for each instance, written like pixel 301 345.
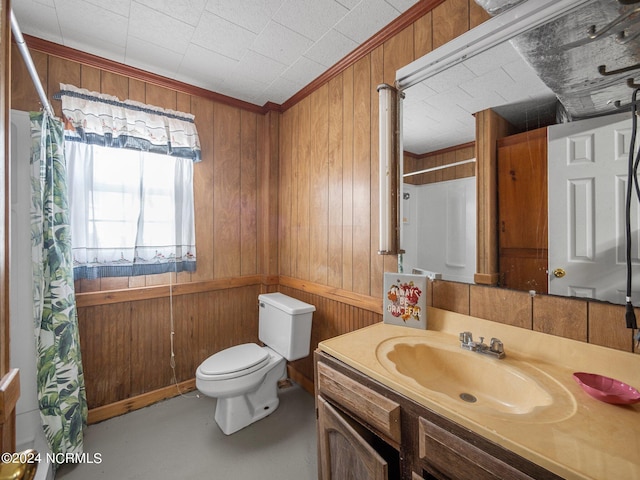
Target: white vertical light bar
pixel 388 170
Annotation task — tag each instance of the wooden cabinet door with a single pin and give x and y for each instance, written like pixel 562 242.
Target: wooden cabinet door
pixel 344 451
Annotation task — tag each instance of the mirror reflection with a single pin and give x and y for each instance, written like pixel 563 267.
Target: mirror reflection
pixel 513 79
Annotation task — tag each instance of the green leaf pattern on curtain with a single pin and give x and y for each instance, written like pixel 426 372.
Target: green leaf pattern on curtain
pixel 61 389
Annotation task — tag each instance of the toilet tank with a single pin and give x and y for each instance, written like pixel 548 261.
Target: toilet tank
pixel 285 324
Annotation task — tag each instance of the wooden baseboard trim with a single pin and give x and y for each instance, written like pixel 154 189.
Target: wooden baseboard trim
pixel 116 409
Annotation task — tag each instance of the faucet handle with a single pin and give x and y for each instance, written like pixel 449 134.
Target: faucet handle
pixel 466 338
pixel 496 345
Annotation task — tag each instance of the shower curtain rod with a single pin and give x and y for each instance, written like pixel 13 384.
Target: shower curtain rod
pixel 439 167
pixel 24 50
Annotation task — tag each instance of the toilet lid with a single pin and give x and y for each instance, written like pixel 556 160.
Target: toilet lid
pixel 235 359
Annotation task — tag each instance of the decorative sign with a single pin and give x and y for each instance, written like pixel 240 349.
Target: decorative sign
pixel 405 301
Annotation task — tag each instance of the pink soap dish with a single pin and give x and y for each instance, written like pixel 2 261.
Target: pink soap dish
pixel 607 389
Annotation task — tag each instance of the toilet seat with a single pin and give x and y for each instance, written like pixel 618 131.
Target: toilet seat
pixel 235 361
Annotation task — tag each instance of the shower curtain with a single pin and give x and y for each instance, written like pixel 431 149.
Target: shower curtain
pixel 60 380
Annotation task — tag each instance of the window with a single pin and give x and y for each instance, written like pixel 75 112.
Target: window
pixel 132 209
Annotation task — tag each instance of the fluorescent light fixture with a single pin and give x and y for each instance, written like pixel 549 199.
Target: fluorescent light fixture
pixel 390 168
pixel 519 19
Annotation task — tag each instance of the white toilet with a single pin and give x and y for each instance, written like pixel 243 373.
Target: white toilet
pixel 245 378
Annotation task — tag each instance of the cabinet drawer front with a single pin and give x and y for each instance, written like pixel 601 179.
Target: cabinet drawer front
pixel 451 454
pixel 373 408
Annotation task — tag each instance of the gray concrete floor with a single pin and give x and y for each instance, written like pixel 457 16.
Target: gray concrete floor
pixel 179 439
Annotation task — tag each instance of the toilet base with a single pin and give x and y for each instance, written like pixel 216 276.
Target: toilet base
pixel 235 413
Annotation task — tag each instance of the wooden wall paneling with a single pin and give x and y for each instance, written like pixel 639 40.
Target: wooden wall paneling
pixel 137 90
pixel 335 181
pixel 295 187
pixel 203 189
pixel 448 173
pixel 226 191
pixel 330 319
pixel 347 178
pixel 468 169
pixel 84 285
pixel 574 316
pixel 115 84
pixel 183 101
pixel 398 52
pixel 319 186
pixel 113 283
pixel 105 333
pixel 248 193
pixel 514 308
pixel 607 326
pixel 362 176
pixel 223 327
pixel 23 92
pixel 185 318
pixel 477 14
pixel 450 20
pixel 160 96
pixel 266 195
pixel 206 342
pixel 60 71
pixel 285 193
pixel 90 78
pixel 438 161
pixel 379 263
pixel 450 296
pixel 235 316
pixel 303 183
pixel 150 345
pixel 423 35
pixel 294 170
pixel 246 304
pixel 266 214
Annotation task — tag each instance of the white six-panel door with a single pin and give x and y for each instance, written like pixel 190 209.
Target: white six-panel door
pixel 587 188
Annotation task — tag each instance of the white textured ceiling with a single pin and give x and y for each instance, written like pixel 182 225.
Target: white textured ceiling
pixel 439 112
pixel 258 51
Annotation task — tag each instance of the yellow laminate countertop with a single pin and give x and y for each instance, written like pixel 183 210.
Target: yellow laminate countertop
pixel 594 440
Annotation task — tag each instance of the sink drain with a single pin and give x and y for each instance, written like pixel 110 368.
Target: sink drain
pixel 467 397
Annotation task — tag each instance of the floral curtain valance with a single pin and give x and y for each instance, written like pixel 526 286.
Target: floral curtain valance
pixel 105 120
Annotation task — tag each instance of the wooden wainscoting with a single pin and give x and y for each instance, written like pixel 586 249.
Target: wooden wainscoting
pixel 125 340
pixel 337 312
pixel 126 345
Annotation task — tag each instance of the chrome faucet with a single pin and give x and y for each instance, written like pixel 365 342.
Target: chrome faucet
pixel 495 347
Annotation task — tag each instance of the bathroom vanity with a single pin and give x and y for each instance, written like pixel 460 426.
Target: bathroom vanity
pixel 389 406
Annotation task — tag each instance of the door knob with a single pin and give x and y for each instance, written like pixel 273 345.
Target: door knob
pixel 559 273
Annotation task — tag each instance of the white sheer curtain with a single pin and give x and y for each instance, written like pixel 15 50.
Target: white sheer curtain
pixel 131 212
pixel 130 185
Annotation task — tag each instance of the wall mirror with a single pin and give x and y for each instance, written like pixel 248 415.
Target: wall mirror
pixel 535 64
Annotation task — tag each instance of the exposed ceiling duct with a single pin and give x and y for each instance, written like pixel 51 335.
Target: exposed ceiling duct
pixel 588 57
